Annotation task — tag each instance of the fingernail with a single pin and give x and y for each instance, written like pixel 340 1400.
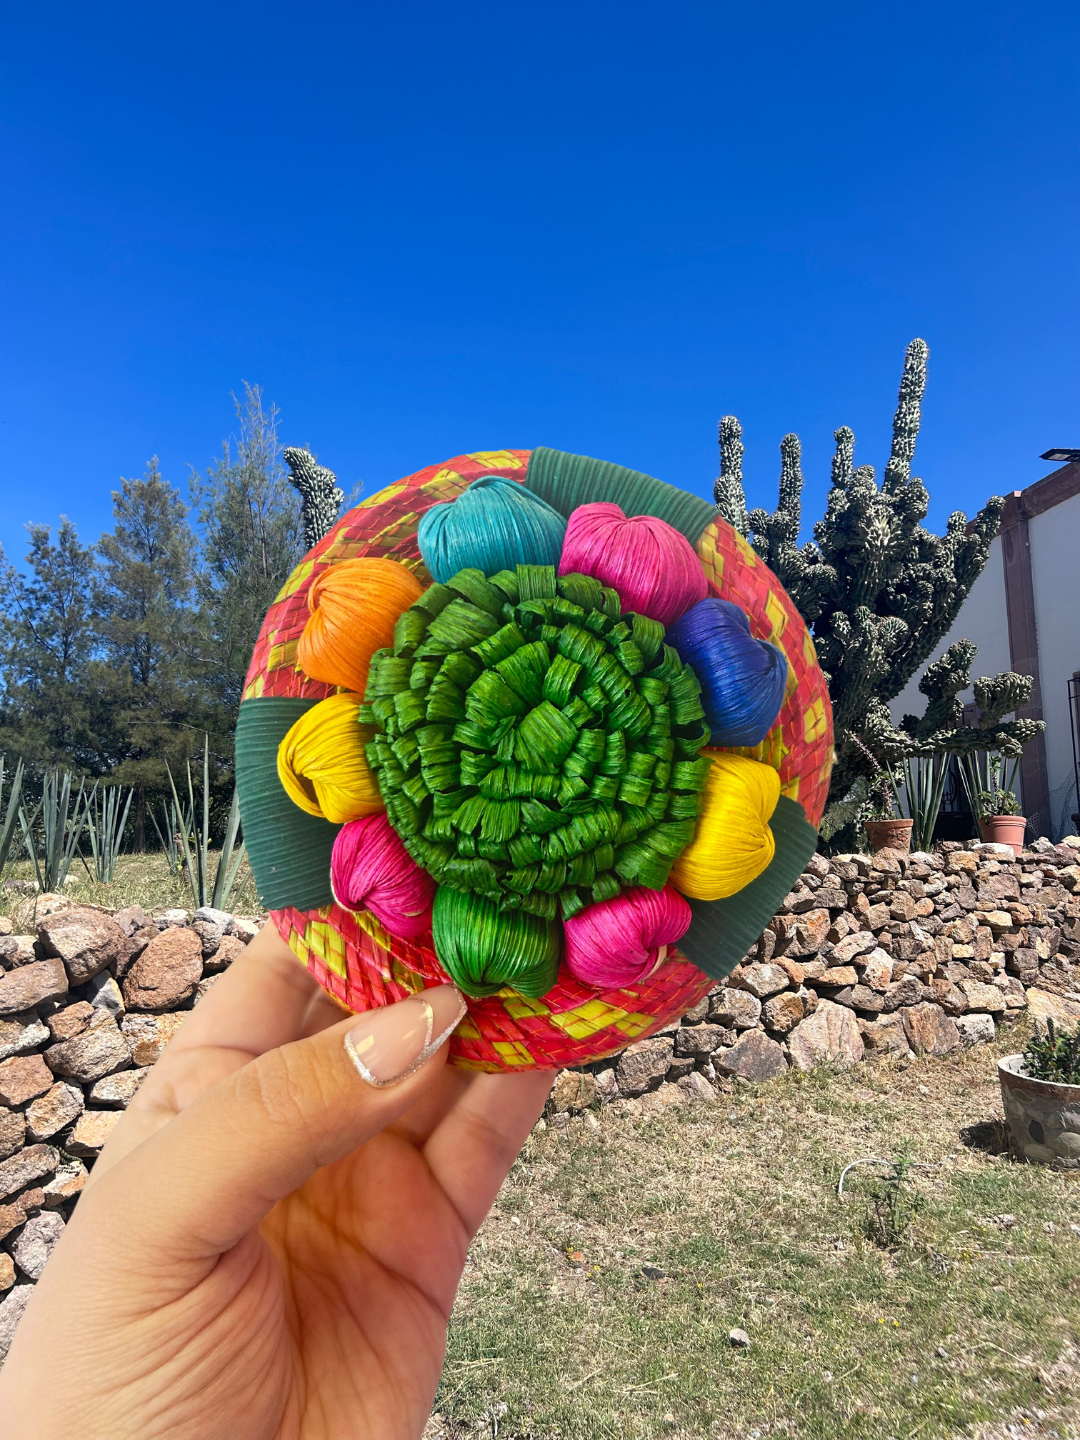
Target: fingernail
pixel 394 1041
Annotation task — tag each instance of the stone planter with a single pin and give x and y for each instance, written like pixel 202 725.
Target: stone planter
pixel 889 834
pixel 1004 830
pixel 1043 1117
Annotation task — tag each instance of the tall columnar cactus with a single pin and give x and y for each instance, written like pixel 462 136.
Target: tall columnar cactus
pixel 320 496
pixel 879 590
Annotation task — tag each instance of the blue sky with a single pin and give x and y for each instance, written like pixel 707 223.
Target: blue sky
pixel 599 227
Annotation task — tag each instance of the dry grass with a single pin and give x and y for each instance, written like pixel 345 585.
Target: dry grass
pixel 964 1327
pixel 140 880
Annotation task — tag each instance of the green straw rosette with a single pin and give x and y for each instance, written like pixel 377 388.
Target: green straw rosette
pixel 536 749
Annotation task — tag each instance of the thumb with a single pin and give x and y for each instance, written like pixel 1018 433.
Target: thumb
pixel 211 1174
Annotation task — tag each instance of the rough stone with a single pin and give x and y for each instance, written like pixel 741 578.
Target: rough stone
pixel 7 1271
pixel 20 1034
pixel 36 1242
pixel 22 1078
pixel 838 976
pixel 147 1035
pixel 23 1168
pixel 830 1034
pixel 245 928
pixel 164 919
pixel 961 862
pixel 643 1064
pixel 86 940
pixel 11 1312
pixel 861 942
pixel 902 907
pixel 115 1092
pixel 32 984
pixel 50 1112
pixel 607 1086
pixel 697 1087
pixel 91 1130
pixel 139 942
pixel 573 1089
pixel 12 1132
pixel 810 932
pixel 949 996
pixel 983 997
pixel 72 1020
pixel 753 1057
pixel 98 1051
pixel 1043 1006
pixel 929 1030
pixel 228 949
pixel 878 970
pixel 12 1215
pixel 166 973
pixel 997 919
pixel 885 1038
pixel 701 1040
pixel 132 918
pixel 16 950
pixel 764 980
pixel 207 915
pixel 205 986
pixel 863 998
pixel 905 991
pixel 737 1009
pixel 783 1012
pixel 975 1029
pixel 28 914
pixel 65 1184
pixel 104 994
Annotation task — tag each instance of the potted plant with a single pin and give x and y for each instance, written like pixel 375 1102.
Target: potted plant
pixel 989 783
pixel 1040 1091
pixel 886 828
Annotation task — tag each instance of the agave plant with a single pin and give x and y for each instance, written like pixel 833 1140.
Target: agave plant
pixel 190 841
pixel 10 810
pixel 107 813
pixel 58 824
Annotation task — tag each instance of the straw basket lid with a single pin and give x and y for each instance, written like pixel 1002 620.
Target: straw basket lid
pixel 305 778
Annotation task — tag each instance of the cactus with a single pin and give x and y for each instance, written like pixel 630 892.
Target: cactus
pixel 320 496
pixel 878 590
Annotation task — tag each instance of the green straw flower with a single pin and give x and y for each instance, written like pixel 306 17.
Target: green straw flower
pixel 537 751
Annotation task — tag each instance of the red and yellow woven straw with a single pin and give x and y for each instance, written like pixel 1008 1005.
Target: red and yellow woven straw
pixel 358 962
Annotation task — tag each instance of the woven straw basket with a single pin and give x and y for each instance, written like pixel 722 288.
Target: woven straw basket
pixel 350 954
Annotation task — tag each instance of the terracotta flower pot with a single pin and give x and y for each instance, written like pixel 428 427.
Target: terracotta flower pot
pixel 1043 1117
pixel 1004 830
pixel 889 834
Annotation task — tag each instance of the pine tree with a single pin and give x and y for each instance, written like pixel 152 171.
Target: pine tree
pixel 252 539
pixel 147 675
pixel 46 646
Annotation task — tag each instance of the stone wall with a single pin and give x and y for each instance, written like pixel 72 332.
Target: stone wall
pixel 88 1001
pixel 869 957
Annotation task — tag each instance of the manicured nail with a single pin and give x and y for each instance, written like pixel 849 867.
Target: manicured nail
pixel 394 1041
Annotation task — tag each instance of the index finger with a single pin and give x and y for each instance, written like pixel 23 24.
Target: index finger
pixel 265 999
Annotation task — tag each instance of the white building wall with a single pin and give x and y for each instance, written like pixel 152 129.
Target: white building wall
pixel 982 618
pixel 1055 573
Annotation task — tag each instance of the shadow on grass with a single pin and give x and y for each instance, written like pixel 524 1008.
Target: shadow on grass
pixel 989 1137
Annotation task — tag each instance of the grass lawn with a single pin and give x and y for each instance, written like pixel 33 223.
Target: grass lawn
pixel 623 1249
pixel 144 880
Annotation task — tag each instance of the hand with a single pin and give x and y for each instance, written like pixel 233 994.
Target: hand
pixel 269 1245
